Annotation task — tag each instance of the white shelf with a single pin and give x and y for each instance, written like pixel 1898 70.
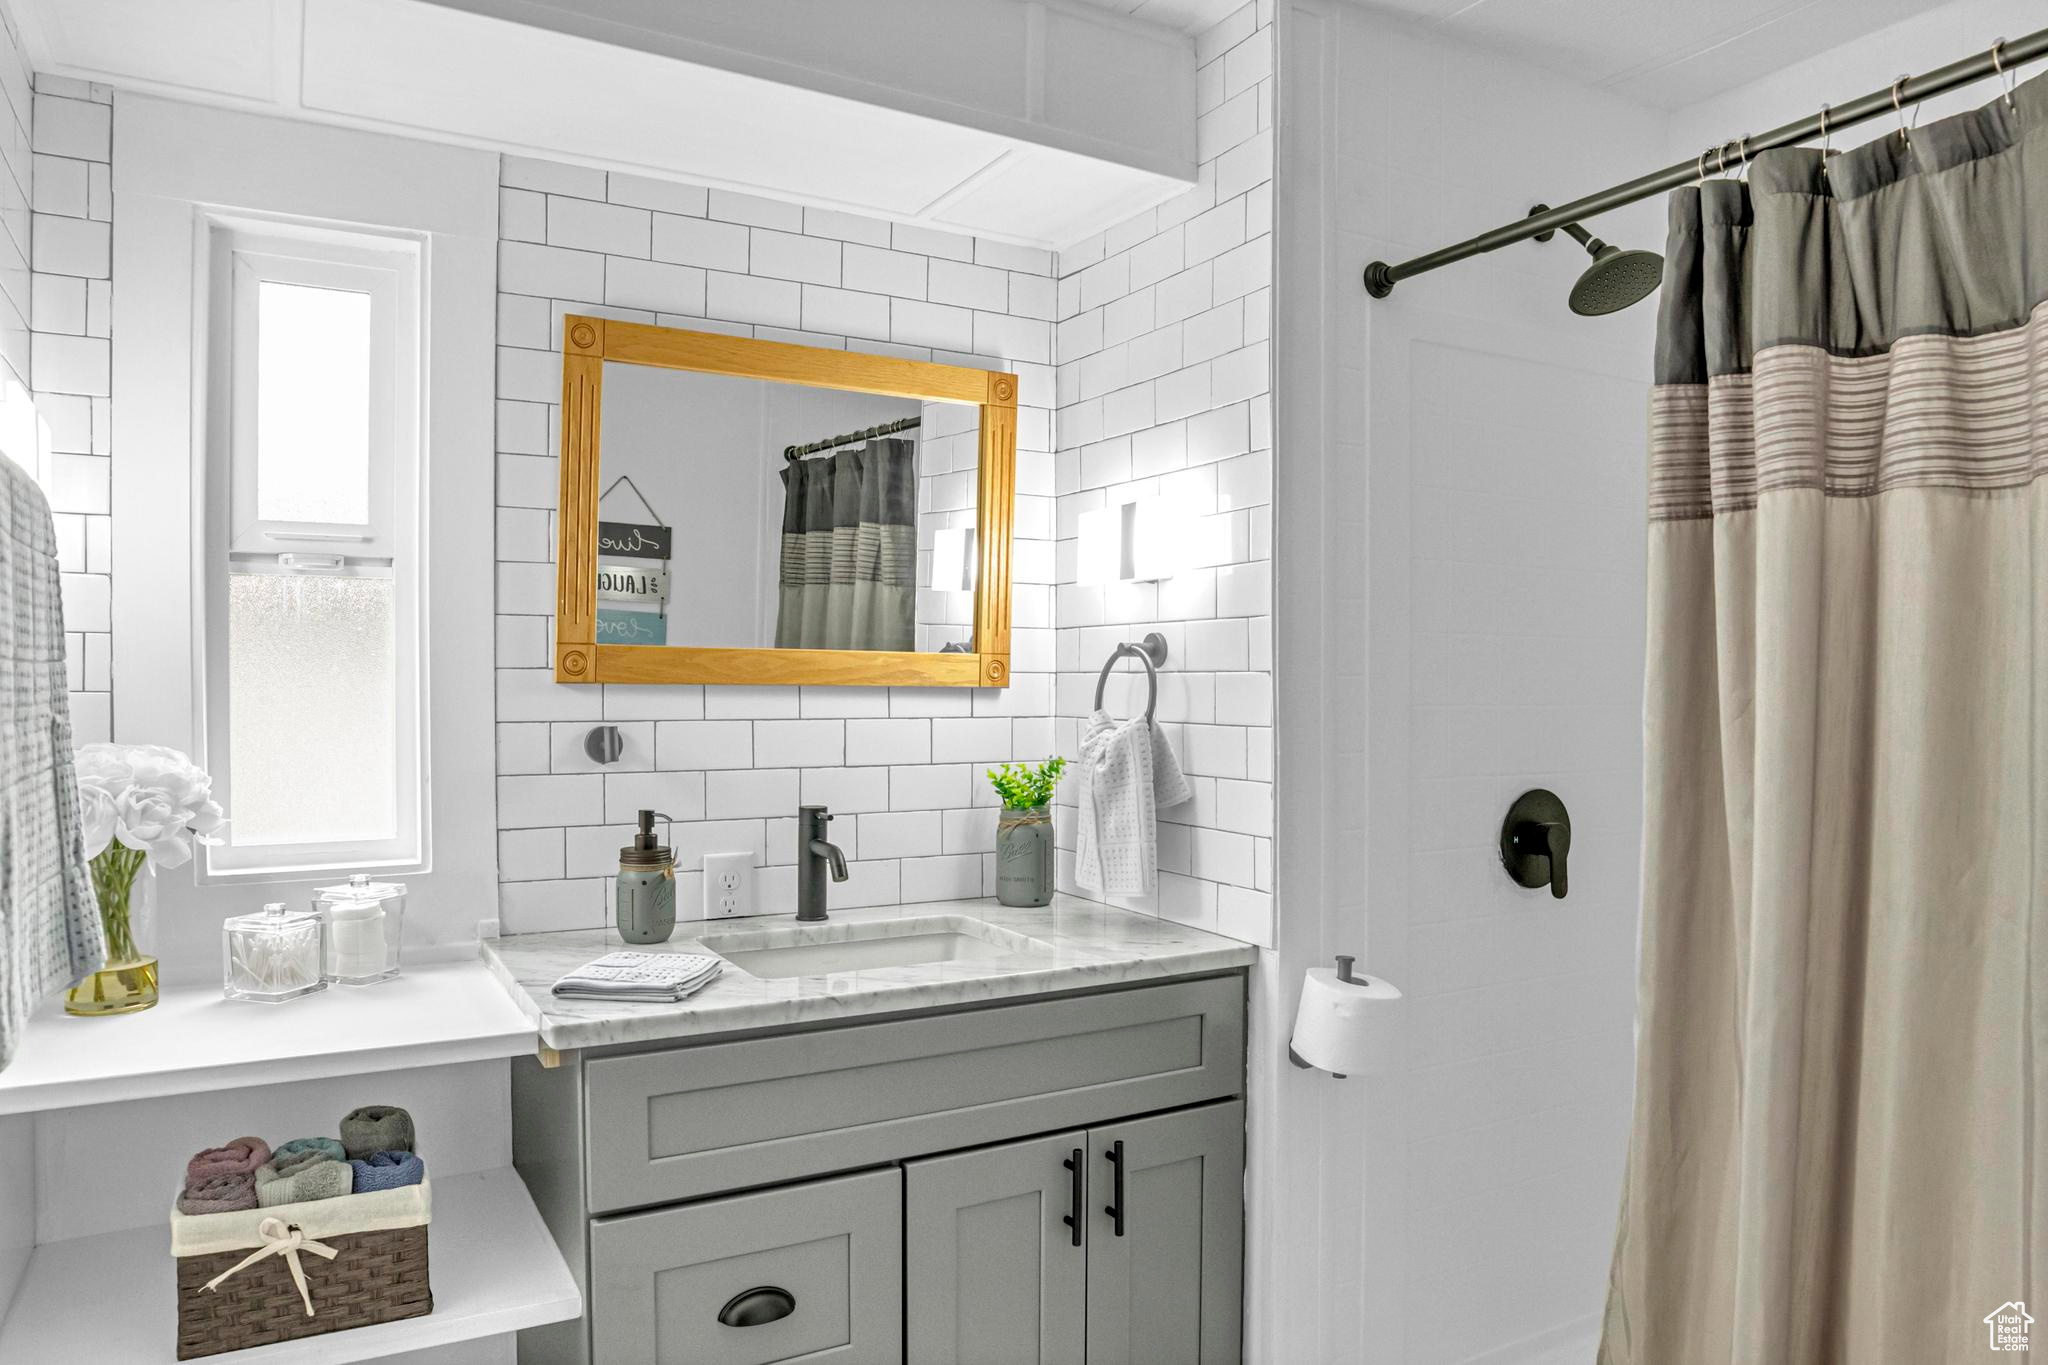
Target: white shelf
pixel 493 1267
pixel 195 1040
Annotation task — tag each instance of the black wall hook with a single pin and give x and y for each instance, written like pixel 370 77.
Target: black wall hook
pixel 1535 840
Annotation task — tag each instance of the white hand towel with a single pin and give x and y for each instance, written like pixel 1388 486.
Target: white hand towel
pixel 1128 771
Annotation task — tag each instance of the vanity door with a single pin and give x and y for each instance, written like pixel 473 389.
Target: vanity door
pixel 1166 1239
pixel 995 1266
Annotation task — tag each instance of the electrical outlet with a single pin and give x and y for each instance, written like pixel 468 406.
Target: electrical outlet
pixel 728 885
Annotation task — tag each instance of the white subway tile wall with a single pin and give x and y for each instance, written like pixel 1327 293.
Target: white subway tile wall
pixel 900 767
pixel 1143 348
pixel 56 313
pixel 1164 379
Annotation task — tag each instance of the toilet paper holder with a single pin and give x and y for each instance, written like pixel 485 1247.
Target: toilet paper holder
pixel 1344 961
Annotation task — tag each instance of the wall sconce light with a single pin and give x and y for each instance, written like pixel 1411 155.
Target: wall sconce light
pixel 1139 541
pixel 953 559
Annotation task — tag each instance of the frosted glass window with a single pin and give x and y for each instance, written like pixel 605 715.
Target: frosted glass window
pixel 312 404
pixel 312 709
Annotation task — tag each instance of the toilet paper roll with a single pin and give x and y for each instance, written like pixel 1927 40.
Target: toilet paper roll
pixel 1354 1028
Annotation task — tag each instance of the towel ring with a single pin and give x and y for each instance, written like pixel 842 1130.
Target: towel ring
pixel 1151 653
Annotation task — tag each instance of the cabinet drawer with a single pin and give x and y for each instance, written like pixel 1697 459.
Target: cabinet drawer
pixel 692 1121
pixel 834 1248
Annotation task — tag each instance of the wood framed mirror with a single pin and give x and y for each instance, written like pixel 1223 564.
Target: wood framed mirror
pixel 744 511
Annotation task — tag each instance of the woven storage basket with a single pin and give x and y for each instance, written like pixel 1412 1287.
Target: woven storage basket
pixel 377 1275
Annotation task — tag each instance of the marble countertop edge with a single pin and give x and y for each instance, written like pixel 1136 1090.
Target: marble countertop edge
pixel 1081 945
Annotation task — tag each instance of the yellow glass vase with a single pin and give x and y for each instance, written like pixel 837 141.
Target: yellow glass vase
pixel 125 885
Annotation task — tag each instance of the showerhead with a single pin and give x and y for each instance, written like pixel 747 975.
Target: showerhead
pixel 1616 278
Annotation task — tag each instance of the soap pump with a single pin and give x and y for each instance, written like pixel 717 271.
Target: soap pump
pixel 647 885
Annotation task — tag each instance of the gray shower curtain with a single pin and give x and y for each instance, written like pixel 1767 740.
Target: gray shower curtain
pixel 1840 1121
pixel 849 550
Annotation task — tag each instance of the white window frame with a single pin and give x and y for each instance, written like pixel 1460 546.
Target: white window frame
pixel 243 254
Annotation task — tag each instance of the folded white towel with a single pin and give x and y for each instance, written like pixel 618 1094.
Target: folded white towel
pixel 1128 772
pixel 645 978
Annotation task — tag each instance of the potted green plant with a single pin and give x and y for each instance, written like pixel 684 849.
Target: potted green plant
pixel 1024 843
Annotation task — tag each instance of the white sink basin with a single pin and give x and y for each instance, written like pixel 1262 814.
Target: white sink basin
pixel 824 949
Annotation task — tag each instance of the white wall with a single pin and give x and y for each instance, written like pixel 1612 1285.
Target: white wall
pixel 175 158
pixel 17 172
pixel 1164 389
pixel 71 316
pixel 1462 465
pixel 900 767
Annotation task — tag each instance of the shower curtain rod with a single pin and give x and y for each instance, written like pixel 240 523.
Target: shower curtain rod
pixel 1380 278
pixel 864 434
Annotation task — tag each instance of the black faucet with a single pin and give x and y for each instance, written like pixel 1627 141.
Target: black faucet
pixel 814 853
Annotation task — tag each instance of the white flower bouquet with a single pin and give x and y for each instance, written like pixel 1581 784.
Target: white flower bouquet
pixel 142 804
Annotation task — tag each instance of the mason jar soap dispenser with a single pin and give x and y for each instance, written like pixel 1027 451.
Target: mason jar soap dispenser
pixel 647 886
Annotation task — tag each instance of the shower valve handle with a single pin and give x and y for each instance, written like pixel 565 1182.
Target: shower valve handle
pixel 1557 838
pixel 1535 841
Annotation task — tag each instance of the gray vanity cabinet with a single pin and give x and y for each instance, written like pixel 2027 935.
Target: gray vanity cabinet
pixel 993 1274
pixel 809 1272
pixel 897 1190
pixel 1165 1280
pixel 996 1274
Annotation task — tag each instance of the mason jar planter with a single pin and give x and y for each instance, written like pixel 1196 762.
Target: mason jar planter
pixel 1024 856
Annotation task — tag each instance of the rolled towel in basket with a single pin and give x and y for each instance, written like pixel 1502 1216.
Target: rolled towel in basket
pixel 387 1171
pixel 219 1194
pixel 376 1128
pixel 316 1176
pixel 240 1157
pixel 288 1155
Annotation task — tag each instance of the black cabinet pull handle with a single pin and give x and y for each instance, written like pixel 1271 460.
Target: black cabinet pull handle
pixel 1115 1157
pixel 757 1307
pixel 1073 1219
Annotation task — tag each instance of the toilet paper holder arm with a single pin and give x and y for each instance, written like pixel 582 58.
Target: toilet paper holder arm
pixel 1344 961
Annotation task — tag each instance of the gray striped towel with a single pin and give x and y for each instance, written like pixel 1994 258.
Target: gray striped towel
pixel 50 935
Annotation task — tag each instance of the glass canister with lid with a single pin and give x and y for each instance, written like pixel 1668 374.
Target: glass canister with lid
pixel 272 955
pixel 365 926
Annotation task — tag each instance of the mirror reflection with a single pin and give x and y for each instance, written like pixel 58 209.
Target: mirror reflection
pixel 749 513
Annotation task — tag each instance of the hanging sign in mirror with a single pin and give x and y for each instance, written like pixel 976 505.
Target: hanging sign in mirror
pixel 632 572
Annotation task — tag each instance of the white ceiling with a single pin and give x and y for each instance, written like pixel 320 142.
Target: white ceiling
pixel 430 70
pixel 1663 53
pixel 1189 16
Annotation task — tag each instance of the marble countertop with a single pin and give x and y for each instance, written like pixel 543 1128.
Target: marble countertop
pixel 1076 944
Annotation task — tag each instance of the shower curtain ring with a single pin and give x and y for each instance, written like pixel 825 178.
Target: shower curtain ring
pixel 2008 78
pixel 1742 150
pixel 1826 145
pixel 1905 129
pixel 1700 166
pixel 1721 159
